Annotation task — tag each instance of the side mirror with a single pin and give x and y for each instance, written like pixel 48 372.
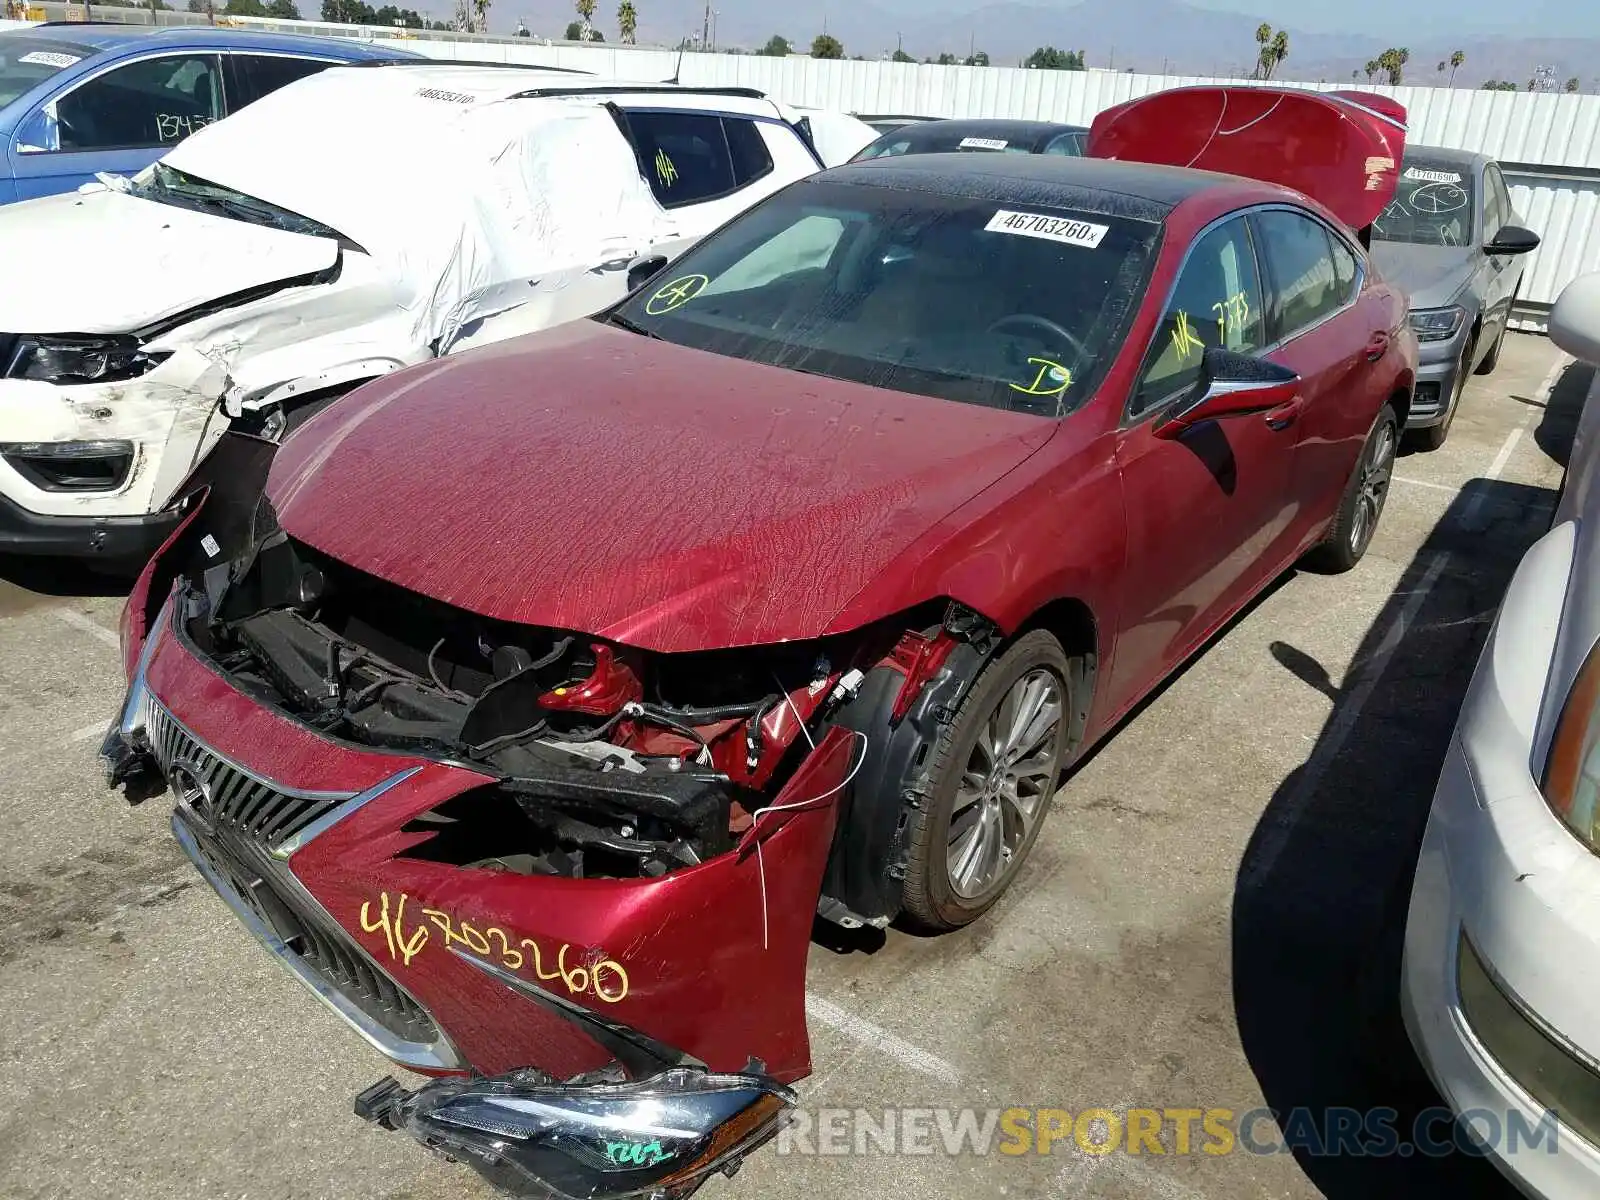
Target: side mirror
pixel 1230 385
pixel 646 269
pixel 1512 239
pixel 40 133
pixel 1574 322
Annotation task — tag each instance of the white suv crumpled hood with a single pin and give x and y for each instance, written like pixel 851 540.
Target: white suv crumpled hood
pixel 99 261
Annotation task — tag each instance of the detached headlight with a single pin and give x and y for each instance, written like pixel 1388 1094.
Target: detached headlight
pixel 1437 324
pixel 79 360
pixel 1572 769
pixel 658 1137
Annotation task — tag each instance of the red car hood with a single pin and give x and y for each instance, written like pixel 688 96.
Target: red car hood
pixel 667 498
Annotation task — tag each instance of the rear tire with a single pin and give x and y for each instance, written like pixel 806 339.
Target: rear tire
pixel 1345 544
pixel 992 777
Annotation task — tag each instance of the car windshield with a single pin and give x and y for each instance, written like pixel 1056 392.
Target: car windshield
pixel 1432 206
pixel 168 185
pixel 936 138
pixel 1010 305
pixel 26 62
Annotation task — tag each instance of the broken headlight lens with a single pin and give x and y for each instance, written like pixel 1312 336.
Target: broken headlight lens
pixel 79 360
pixel 659 1137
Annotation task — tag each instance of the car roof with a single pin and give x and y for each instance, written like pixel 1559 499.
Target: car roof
pixel 490 81
pixel 1096 185
pixel 979 126
pixel 1442 154
pixel 113 36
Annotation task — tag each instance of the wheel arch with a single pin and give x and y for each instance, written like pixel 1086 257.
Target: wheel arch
pixel 1073 623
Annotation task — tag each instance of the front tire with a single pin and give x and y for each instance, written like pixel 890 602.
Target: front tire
pixel 1347 539
pixel 992 777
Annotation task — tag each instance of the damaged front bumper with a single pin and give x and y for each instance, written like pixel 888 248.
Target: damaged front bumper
pixel 89 469
pixel 660 1137
pixel 594 1037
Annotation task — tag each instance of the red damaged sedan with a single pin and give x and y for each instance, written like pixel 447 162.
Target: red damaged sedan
pixel 549 692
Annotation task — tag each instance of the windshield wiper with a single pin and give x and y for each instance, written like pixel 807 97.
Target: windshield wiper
pixel 622 322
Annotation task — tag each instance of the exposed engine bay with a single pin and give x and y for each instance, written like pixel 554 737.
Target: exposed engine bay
pixel 611 762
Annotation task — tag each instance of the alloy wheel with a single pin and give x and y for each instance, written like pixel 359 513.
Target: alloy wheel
pixel 1373 489
pixel 1005 785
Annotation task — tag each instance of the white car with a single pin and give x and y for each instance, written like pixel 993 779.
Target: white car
pixel 1501 972
pixel 353 223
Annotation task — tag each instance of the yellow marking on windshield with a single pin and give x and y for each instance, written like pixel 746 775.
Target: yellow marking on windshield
pixel 675 294
pixel 1053 373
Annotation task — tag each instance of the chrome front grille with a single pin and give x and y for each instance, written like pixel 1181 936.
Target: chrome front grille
pixel 230 823
pixel 226 795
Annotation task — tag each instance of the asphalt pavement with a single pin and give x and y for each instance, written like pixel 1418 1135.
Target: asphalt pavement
pixel 1208 920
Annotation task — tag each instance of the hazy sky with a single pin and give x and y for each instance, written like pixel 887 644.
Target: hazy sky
pixel 1524 18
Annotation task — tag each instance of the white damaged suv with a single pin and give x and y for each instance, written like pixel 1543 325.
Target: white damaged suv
pixel 358 221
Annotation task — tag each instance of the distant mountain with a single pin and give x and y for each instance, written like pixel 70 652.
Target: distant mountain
pixel 1142 34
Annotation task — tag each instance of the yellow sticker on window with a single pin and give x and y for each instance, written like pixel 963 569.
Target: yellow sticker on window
pixel 675 294
pixel 1051 379
pixel 665 171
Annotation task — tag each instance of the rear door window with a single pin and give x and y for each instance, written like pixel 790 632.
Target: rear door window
pixel 257 75
pixel 1299 256
pixel 690 158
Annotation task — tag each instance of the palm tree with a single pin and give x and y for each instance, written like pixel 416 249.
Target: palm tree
pixel 627 21
pixel 1373 67
pixel 480 15
pixel 586 15
pixel 1263 41
pixel 1457 57
pixel 1356 74
pixel 1278 51
pixel 1573 84
pixel 1442 65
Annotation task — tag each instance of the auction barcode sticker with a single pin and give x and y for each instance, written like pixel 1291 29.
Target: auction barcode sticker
pixel 977 143
pixel 48 58
pixel 1053 229
pixel 1432 176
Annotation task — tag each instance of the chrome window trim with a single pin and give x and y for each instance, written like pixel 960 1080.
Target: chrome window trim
pixel 1131 420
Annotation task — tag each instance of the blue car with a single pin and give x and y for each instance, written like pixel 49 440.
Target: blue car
pixel 78 98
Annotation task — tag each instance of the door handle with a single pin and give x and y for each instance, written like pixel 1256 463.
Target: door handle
pixel 1285 415
pixel 1377 346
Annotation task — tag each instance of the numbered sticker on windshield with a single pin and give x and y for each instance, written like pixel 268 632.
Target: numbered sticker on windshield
pixel 48 58
pixel 977 143
pixel 1052 229
pixel 1432 176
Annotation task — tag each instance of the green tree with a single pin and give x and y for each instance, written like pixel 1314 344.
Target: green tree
pixel 979 59
pixel 1373 67
pixel 1572 84
pixel 900 56
pixel 283 10
pixel 627 22
pixel 1048 58
pixel 390 15
pixel 1271 49
pixel 1457 57
pixel 1263 43
pixel 348 12
pixel 585 18
pixel 245 8
pixel 1393 63
pixel 776 47
pixel 1498 85
pixel 825 45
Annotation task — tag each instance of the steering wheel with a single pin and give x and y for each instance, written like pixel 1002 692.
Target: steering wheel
pixel 1034 321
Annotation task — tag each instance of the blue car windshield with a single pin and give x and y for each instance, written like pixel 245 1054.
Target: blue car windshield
pixel 27 61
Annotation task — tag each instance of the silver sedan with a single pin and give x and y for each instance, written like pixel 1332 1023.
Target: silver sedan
pixel 1502 949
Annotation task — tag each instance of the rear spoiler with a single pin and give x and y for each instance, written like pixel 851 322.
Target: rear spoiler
pixel 1343 148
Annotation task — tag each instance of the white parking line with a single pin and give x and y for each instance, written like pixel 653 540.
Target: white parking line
pixel 1284 819
pixel 878 1038
pixel 84 624
pixel 1428 483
